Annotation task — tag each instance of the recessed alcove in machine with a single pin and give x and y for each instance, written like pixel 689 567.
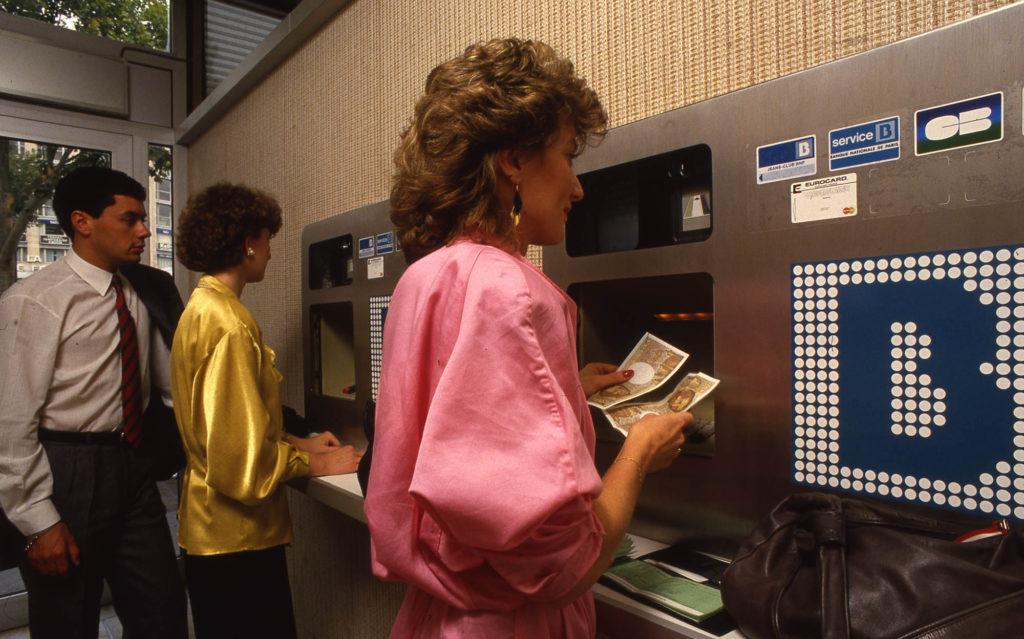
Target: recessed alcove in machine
pixel 330 262
pixel 332 348
pixel 677 308
pixel 654 201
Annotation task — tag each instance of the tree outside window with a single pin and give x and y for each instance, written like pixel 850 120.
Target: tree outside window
pixel 139 22
pixel 29 171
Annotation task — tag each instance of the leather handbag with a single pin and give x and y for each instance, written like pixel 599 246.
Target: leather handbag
pixel 837 568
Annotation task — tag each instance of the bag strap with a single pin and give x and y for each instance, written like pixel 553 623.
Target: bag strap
pixel 830 536
pixel 995 619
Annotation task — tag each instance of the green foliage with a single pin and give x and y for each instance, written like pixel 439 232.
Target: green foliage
pixel 27 178
pixel 28 173
pixel 159 162
pixel 139 22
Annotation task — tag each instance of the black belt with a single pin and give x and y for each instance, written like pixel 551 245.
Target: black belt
pixel 70 437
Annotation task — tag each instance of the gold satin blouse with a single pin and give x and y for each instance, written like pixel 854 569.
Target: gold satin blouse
pixel 226 401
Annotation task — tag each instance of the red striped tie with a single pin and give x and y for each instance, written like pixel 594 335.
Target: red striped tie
pixel 131 381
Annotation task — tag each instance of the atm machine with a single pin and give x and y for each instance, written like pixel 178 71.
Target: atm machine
pixel 842 247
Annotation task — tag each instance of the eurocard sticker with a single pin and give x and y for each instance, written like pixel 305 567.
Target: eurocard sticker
pixel 375 268
pixel 824 199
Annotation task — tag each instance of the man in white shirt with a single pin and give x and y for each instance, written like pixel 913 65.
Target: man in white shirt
pixel 77 373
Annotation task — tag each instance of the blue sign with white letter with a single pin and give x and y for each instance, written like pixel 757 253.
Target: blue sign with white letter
pixel 386 243
pixel 959 124
pixel 867 143
pixel 786 160
pixel 907 378
pixel 365 247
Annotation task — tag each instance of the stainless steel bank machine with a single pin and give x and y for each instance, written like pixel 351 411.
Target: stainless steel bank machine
pixel 842 247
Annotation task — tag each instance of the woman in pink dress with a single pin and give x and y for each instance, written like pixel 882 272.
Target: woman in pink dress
pixel 483 494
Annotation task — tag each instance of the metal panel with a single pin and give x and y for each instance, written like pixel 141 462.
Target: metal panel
pixel 953 199
pixel 40 72
pixel 943 199
pixel 150 95
pixel 365 297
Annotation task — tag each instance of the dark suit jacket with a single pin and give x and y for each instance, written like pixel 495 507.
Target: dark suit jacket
pixel 160 439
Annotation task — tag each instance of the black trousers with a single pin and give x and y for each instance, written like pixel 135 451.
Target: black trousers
pixel 242 594
pixel 107 497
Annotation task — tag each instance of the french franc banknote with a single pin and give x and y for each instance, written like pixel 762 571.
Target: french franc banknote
pixel 687 393
pixel 652 362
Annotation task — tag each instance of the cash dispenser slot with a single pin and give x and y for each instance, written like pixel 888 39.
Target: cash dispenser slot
pixel 654 201
pixel 332 338
pixel 330 263
pixel 678 308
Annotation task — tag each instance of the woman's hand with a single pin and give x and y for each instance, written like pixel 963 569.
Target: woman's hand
pixel 597 376
pixel 321 443
pixel 652 445
pixel 337 460
pixel 656 439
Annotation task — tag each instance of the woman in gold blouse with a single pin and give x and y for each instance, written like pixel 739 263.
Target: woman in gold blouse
pixel 233 516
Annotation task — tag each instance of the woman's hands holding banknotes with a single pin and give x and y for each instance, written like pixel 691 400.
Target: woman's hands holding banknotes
pixel 653 442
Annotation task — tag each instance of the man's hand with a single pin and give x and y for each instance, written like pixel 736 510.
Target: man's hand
pixel 55 551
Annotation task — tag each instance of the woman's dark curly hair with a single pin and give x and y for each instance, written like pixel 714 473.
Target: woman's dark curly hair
pixel 497 95
pixel 216 222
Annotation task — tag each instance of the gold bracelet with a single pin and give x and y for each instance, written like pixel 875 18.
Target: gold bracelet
pixel 639 466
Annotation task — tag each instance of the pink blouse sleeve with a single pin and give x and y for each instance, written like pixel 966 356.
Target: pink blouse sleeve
pixel 502 465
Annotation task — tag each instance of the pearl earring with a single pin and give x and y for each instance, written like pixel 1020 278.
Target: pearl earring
pixel 250 252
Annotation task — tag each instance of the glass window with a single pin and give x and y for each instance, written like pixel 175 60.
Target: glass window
pixel 28 172
pixel 163 191
pixel 144 23
pixel 163 215
pixel 161 211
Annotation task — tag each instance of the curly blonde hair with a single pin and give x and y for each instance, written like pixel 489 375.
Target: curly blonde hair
pixel 497 95
pixel 216 222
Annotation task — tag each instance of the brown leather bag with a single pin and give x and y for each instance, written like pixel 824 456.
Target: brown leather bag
pixel 837 568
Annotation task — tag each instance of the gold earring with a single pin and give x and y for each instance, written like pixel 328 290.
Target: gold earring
pixel 517 207
pixel 250 252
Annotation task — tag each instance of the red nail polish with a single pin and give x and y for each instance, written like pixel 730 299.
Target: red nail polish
pixel 627 374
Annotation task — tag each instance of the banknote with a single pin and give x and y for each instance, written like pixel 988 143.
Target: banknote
pixel 652 361
pixel 687 394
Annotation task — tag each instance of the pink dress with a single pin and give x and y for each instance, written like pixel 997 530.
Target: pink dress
pixel 483 470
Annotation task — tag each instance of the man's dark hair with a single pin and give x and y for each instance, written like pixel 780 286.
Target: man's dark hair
pixel 91 189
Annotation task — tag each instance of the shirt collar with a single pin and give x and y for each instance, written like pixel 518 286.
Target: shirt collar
pixel 209 281
pixel 93 275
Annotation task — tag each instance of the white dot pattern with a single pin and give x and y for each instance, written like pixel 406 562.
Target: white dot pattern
pixel 918 406
pixel 378 304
